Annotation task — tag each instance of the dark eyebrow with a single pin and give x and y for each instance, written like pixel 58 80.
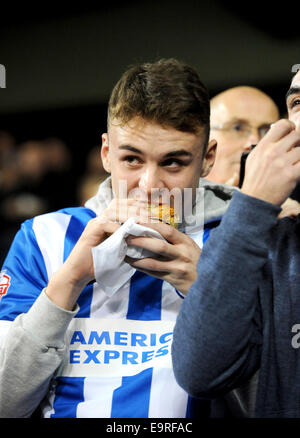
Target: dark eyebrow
pixel 131 149
pixel 237 120
pixel 291 91
pixel 178 153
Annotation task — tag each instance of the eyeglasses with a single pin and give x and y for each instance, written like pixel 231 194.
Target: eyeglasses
pixel 242 129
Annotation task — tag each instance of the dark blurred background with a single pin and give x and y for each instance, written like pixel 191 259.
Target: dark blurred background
pixel 62 62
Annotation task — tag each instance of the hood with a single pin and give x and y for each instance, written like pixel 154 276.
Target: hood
pixel 216 199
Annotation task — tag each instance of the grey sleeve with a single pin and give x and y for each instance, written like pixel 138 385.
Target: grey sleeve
pixel 30 353
pixel 218 334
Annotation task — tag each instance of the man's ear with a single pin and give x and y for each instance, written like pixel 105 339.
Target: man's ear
pixel 105 153
pixel 209 157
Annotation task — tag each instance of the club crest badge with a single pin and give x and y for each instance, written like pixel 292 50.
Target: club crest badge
pixel 4 283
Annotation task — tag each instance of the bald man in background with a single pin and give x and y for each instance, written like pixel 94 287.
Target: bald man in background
pixel 240 117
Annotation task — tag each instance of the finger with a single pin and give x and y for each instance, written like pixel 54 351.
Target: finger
pixel 121 211
pixel 296 171
pixel 150 264
pixel 170 233
pixel 110 227
pixel 288 212
pixel 155 245
pixel 103 220
pixel 97 230
pixel 131 203
pixel 290 141
pixel 293 156
pixel 138 211
pixel 290 207
pixel 158 274
pixel 279 130
pixel 104 224
pixel 132 260
pixel 143 201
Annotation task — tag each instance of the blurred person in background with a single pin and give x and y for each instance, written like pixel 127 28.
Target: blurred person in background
pixel 8 180
pixel 94 174
pixel 37 177
pixel 8 173
pixel 60 178
pixel 7 148
pixel 240 117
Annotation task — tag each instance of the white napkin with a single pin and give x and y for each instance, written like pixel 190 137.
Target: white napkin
pixel 111 272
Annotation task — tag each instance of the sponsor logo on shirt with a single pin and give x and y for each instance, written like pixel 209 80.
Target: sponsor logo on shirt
pixel 112 347
pixel 4 283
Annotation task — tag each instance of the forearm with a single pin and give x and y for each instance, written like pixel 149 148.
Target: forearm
pixel 216 343
pixel 31 353
pixel 77 271
pixel 63 290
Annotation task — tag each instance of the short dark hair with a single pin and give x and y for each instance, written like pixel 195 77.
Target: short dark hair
pixel 168 92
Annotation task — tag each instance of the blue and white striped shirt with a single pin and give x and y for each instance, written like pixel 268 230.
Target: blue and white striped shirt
pixel 118 360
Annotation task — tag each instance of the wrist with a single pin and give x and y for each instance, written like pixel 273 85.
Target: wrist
pixel 249 220
pixel 270 196
pixel 64 290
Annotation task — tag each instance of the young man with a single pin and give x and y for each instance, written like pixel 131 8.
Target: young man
pixel 73 347
pixel 242 314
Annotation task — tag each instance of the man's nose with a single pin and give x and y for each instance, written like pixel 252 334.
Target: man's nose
pixel 150 179
pixel 252 139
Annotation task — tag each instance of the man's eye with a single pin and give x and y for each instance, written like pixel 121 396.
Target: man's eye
pixel 238 127
pixel 132 160
pixel 173 163
pixel 295 103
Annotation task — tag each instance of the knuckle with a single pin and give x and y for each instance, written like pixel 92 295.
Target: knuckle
pixel 169 232
pixel 297 137
pixel 185 258
pixel 285 124
pixel 181 270
pixel 163 246
pixel 154 265
pixel 270 154
pixel 92 223
pixel 289 174
pixel 281 165
pixel 294 175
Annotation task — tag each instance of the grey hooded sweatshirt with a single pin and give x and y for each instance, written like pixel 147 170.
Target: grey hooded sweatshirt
pixel 33 342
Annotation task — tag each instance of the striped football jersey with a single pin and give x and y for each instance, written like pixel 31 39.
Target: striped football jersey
pixel 118 358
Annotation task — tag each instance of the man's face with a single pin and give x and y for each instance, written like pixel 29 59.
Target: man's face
pixel 293 101
pixel 147 155
pixel 239 118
